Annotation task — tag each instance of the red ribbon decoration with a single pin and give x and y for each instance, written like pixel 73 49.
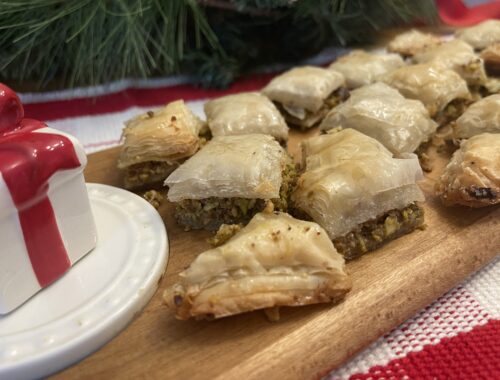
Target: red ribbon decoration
pixel 27 161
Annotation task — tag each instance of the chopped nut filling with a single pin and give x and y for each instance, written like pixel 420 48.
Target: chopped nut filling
pixel 312 118
pixel 211 213
pixel 423 157
pixel 376 232
pixel 147 174
pixel 155 198
pixel 224 233
pixel 452 111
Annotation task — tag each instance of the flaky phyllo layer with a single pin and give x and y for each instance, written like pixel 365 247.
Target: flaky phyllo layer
pixel 275 260
pixel 351 178
pixel 458 56
pixel 243 114
pixel 361 68
pixel 482 116
pixel 472 177
pixel 243 166
pixel 165 135
pixel 381 112
pixel 481 35
pixel 305 94
pixel 411 42
pixel 431 83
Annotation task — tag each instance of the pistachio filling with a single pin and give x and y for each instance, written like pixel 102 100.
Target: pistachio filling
pixel 310 119
pixel 224 233
pixel 147 174
pixel 376 232
pixel 423 157
pixel 452 111
pixel 211 213
pixel 154 197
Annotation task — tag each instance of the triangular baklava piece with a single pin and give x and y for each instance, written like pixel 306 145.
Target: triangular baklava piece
pixel 276 260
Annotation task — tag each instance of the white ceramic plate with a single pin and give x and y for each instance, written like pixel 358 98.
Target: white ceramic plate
pixel 97 298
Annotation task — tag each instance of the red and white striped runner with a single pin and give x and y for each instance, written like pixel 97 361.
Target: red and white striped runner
pixel 457 337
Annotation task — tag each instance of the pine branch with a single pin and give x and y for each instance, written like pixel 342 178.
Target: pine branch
pixel 81 42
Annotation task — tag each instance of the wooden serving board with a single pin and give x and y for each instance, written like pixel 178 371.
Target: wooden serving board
pixel 389 286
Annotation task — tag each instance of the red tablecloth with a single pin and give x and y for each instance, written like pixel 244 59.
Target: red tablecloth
pixel 457 337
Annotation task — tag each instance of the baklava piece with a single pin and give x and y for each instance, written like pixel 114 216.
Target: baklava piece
pixel 444 93
pixel 231 179
pixel 155 143
pixel 274 261
pixel 481 35
pixel 358 192
pixel 482 116
pixel 472 177
pixel 410 43
pixel 304 95
pixel 379 111
pixel 243 114
pixel 361 68
pixel 459 56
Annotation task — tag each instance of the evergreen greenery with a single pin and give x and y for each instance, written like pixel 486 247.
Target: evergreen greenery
pixel 81 42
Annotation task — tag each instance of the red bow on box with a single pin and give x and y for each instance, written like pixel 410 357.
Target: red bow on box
pixel 27 161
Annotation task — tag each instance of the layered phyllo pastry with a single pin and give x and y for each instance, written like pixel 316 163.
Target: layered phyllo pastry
pixel 229 180
pixel 442 91
pixel 472 177
pixel 245 113
pixel 411 42
pixel 361 68
pixel 274 261
pixel 456 55
pixel 155 143
pixel 481 35
pixel 482 116
pixel 358 191
pixel 379 111
pixel 304 95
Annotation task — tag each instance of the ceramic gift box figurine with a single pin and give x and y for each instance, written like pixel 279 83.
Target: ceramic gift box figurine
pixel 46 224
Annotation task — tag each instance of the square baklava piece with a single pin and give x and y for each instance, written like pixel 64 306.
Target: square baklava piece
pixel 243 114
pixel 380 111
pixel 472 177
pixel 411 42
pixel 276 260
pixel 361 68
pixel 304 95
pixel 155 143
pixel 442 91
pixel 481 117
pixel 231 179
pixel 481 35
pixel 358 191
pixel 459 56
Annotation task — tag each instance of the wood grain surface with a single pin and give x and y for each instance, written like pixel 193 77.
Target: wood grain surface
pixel 389 286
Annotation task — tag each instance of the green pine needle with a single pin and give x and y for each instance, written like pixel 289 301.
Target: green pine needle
pixel 86 42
